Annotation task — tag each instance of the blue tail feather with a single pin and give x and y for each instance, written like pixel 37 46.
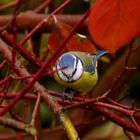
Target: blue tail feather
pixel 100 53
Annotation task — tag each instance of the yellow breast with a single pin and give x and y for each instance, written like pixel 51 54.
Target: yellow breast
pixel 84 84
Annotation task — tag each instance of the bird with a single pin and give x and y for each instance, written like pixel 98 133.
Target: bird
pixel 77 72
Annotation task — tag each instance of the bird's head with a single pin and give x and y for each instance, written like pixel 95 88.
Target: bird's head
pixel 69 67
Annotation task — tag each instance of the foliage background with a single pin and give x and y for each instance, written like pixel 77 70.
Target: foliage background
pixel 113 75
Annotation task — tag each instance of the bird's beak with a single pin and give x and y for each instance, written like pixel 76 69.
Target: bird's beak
pixel 100 54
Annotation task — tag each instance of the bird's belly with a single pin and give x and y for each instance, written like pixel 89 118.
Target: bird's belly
pixel 85 84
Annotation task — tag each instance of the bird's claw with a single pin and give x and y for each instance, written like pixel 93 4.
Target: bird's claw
pixel 68 94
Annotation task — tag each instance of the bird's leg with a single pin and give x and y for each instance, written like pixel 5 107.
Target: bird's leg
pixel 68 94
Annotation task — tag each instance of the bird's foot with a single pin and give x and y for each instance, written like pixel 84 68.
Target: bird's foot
pixel 68 94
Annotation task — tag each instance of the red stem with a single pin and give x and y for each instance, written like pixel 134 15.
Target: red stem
pixel 28 96
pixel 30 57
pixel 3 63
pixel 116 108
pixel 117 119
pixel 38 26
pixel 40 72
pixel 7 5
pixel 4 81
pixel 135 123
pixel 43 5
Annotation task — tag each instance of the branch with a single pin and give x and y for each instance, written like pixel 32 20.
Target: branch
pixel 115 72
pixel 28 20
pixel 18 125
pixel 8 5
pixel 109 114
pixel 21 71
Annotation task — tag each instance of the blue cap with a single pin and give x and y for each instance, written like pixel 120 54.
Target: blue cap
pixel 67 61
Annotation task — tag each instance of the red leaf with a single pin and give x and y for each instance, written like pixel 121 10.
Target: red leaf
pixel 114 23
pixel 76 43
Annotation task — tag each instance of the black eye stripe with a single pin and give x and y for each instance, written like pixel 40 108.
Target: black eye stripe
pixel 75 69
pixel 65 75
pixel 80 61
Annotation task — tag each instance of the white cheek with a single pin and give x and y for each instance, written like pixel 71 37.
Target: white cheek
pixel 68 71
pixel 79 71
pixel 62 76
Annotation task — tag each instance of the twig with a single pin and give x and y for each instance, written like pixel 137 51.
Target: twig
pixel 16 117
pixel 8 78
pixel 129 134
pixel 43 6
pixel 34 60
pixel 120 121
pixel 135 123
pixel 70 130
pixel 44 66
pixel 3 63
pixel 27 21
pixel 20 77
pixel 36 110
pixel 8 5
pixel 122 75
pixel 116 108
pixel 35 114
pixel 28 96
pixel 18 125
pixel 13 26
pixel 86 102
pixel 19 46
pixel 45 20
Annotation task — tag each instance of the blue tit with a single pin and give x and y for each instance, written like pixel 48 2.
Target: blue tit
pixel 77 70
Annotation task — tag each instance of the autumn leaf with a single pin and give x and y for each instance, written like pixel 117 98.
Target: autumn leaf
pixel 76 43
pixel 114 23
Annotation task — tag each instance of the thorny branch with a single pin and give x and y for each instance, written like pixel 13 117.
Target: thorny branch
pixel 29 19
pixel 114 106
pixel 72 134
pixel 17 125
pixel 37 87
